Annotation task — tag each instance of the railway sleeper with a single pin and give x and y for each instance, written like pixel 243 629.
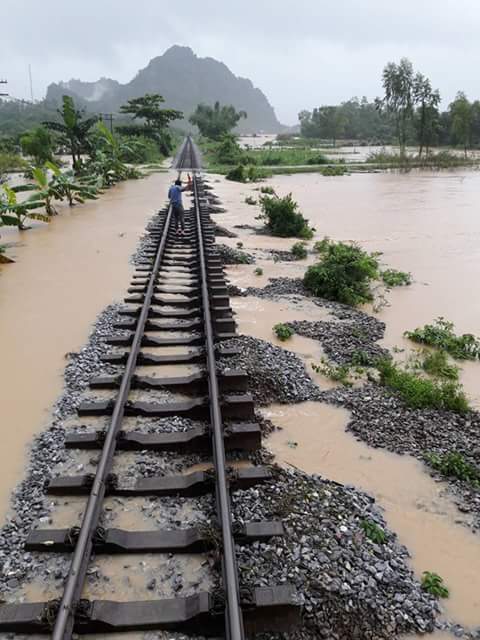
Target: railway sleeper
pixel 196 483
pixel 264 609
pixel 114 540
pixel 230 380
pixel 152 341
pixel 148 359
pixel 244 436
pixel 234 406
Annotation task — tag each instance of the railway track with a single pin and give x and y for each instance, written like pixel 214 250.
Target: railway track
pixel 217 397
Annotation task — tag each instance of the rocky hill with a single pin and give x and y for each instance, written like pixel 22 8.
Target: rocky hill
pixel 184 80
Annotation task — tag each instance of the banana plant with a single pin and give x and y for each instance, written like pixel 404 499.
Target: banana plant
pixel 74 190
pixel 106 160
pixel 14 213
pixel 46 189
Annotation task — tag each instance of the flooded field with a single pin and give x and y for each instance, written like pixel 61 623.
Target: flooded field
pixel 65 274
pixel 425 223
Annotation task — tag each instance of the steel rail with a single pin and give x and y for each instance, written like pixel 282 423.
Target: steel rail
pixel 233 614
pixel 65 619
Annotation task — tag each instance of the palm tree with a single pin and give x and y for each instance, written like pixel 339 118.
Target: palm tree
pixel 73 130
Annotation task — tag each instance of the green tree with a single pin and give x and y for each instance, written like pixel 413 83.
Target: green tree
pixel 73 129
pixel 214 122
pixel 399 84
pixel 155 119
pixel 427 112
pixel 37 143
pixel 462 118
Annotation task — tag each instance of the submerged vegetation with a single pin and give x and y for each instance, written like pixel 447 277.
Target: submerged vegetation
pixel 394 278
pixel 282 218
pixel 344 273
pixel 299 250
pixel 433 584
pixel 454 465
pixel 283 331
pixel 441 335
pixel 419 392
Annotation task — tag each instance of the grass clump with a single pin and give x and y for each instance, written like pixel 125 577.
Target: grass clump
pixel 337 170
pixel 436 364
pixel 299 250
pixel 420 393
pixel 246 173
pixel 440 334
pixel 270 191
pixel 283 331
pixel 433 584
pixel 373 531
pixel 344 273
pixel 394 278
pixel 282 218
pixel 454 465
pixel 335 372
pixel 258 271
pixel 250 200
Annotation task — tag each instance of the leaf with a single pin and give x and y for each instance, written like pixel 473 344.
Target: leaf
pixel 40 176
pixel 53 167
pixel 9 220
pixel 21 188
pixel 39 216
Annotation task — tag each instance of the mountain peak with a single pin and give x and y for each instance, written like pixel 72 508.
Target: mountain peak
pixel 184 80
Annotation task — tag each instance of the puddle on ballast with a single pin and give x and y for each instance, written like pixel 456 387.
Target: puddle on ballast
pixel 313 438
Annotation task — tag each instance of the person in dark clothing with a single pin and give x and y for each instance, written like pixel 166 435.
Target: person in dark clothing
pixel 175 197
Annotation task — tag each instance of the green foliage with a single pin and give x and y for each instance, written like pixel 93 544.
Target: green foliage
pixel 139 150
pixel 433 584
pixel 11 162
pixel 14 212
pixel 454 465
pixel 418 392
pixel 373 531
pixel 283 331
pixel 287 157
pixel 250 200
pixel 394 278
pixel 106 153
pixel 228 151
pixel 244 173
pixel 441 334
pixel 337 170
pixel 73 130
pixel 436 364
pixel 266 190
pixel 67 186
pixel 343 274
pixel 324 122
pixel 38 144
pixel 321 246
pixel 155 120
pixel 462 118
pixel 336 373
pixel 299 250
pixel 47 190
pixel 282 218
pixel 214 122
pixel 258 271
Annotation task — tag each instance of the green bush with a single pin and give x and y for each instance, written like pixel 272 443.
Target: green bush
pixel 250 200
pixel 138 150
pixel 440 334
pixel 433 584
pixel 283 331
pixel 335 372
pixel 282 219
pixel 299 250
pixel 344 274
pixel 454 465
pixel 418 392
pixel 267 190
pixel 11 162
pixel 337 170
pixel 237 174
pixel 394 278
pixel 373 531
pixel 436 364
pixel 258 271
pixel 321 246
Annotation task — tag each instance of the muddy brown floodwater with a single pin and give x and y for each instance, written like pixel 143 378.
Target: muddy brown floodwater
pixel 425 223
pixel 65 274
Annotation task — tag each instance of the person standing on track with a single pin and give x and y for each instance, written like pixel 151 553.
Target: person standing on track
pixel 175 197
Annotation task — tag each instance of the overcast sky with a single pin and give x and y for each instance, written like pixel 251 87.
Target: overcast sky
pixel 301 53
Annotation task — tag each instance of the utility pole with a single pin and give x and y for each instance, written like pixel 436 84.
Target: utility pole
pixel 31 84
pixel 109 118
pixel 3 82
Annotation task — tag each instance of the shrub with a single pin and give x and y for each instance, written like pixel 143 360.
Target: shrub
pixel 418 392
pixel 337 170
pixel 454 464
pixel 267 190
pixel 336 373
pixel 258 271
pixel 433 583
pixel 394 278
pixel 436 364
pixel 238 174
pixel 321 246
pixel 299 250
pixel 250 200
pixel 37 143
pixel 440 334
pixel 344 274
pixel 318 159
pixel 373 531
pixel 283 331
pixel 282 219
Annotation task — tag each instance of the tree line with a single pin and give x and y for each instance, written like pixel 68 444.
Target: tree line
pixel 407 114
